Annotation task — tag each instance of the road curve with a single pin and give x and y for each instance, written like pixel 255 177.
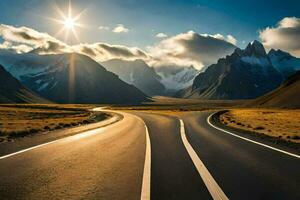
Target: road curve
pixel 173 174
pixel 173 157
pixel 105 163
pixel 243 170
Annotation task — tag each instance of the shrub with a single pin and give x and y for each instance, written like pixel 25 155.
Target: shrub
pixel 58 127
pixel 296 137
pixel 33 130
pixel 259 128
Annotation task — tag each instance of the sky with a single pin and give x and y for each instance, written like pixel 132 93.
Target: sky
pixel 145 24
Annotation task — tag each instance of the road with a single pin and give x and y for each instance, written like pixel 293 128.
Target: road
pixel 166 159
pixel 105 163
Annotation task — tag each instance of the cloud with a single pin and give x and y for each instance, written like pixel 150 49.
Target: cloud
pixel 228 38
pixel 161 35
pixel 120 28
pixel 22 48
pixel 102 52
pixel 184 49
pixel 105 28
pixel 285 35
pixel 23 39
pixel 190 48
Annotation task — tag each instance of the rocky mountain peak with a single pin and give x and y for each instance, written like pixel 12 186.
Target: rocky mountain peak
pixel 255 48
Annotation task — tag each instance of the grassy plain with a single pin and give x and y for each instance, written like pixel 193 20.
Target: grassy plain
pixel 278 123
pixel 20 120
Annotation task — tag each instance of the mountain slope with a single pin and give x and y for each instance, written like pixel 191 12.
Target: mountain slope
pixel 70 78
pixel 245 74
pixel 287 95
pixel 12 91
pixel 284 62
pixel 137 73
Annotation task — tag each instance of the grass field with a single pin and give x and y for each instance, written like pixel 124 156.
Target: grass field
pixel 20 119
pixel 283 124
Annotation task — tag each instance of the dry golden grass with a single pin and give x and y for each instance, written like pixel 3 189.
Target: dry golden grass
pixel 21 120
pixel 284 124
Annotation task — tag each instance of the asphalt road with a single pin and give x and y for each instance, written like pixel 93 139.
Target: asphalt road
pixel 105 163
pixel 188 160
pixel 173 175
pixel 243 170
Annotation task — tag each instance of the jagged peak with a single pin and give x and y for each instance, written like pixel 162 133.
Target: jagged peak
pixel 279 52
pixel 255 48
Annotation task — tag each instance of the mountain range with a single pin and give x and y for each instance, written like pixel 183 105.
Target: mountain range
pixel 76 78
pixel 158 80
pixel 176 78
pixel 245 74
pixel 137 73
pixel 12 91
pixel 70 78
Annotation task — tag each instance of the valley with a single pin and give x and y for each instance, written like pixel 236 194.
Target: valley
pixel 153 99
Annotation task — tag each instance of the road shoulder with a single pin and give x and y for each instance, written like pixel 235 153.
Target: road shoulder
pixel 37 139
pixel 267 140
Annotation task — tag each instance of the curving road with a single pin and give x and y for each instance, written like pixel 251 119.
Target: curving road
pixel 104 163
pixel 168 159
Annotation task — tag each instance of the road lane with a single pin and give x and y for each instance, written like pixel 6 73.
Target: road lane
pixel 104 163
pixel 243 170
pixel 173 174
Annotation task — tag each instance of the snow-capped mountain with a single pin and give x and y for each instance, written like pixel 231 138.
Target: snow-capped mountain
pixel 284 62
pixel 176 78
pixel 245 74
pixel 137 73
pixel 69 78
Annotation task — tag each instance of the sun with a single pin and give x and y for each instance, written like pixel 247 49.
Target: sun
pixel 69 22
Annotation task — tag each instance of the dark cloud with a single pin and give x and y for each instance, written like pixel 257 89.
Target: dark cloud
pixel 88 51
pixel 122 51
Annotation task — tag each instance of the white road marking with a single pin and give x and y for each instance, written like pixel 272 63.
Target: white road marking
pixel 243 138
pixel 214 189
pixel 145 193
pixel 28 149
pixel 77 136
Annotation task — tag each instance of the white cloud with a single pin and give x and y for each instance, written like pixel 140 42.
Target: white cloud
pixel 161 35
pixel 105 28
pixel 285 35
pixel 228 38
pixel 190 48
pixel 23 39
pixel 231 39
pixel 120 28
pixel 184 49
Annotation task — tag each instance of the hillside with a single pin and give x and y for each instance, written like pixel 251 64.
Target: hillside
pixel 70 78
pixel 12 91
pixel 287 95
